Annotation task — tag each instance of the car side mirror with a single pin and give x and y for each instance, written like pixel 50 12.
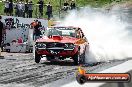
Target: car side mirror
pixel 85 38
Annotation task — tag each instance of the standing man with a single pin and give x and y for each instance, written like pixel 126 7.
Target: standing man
pixel 37 31
pixel 26 9
pixel 41 5
pixel 21 8
pixel 66 6
pixel 33 26
pixel 1 33
pixel 49 11
pixel 6 10
pixel 10 7
pixel 73 5
pixel 16 8
pixel 30 9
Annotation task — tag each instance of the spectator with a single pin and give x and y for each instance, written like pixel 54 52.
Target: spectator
pixel 49 11
pixel 26 9
pixel 34 23
pixel 10 7
pixel 30 9
pixel 6 10
pixel 1 33
pixel 37 31
pixel 66 6
pixel 16 8
pixel 21 9
pixel 73 5
pixel 41 5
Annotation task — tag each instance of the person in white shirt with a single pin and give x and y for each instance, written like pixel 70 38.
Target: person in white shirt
pixel 21 9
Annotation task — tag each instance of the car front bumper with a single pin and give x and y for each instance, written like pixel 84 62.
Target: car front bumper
pixel 57 51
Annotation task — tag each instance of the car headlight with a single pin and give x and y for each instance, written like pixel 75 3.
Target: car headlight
pixel 69 46
pixel 40 45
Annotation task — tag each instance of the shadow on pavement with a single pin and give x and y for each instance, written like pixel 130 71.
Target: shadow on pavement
pixel 61 63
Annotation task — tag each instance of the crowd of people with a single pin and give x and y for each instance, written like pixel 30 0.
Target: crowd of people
pixel 25 8
pixel 69 5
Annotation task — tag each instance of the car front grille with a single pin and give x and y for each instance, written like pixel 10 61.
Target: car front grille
pixel 54 44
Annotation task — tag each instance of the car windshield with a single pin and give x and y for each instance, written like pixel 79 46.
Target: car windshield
pixel 61 32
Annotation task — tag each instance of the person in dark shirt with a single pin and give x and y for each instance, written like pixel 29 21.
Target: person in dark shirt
pixel 66 5
pixel 1 31
pixel 37 31
pixel 73 5
pixel 41 5
pixel 49 11
pixel 11 7
pixel 6 10
pixel 30 9
pixel 16 8
pixel 26 9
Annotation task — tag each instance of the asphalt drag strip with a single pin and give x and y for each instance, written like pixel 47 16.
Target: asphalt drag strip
pixel 20 70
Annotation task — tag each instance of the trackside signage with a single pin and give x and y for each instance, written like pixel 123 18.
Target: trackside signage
pixel 24 22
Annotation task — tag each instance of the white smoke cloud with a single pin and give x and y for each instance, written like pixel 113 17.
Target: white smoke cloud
pixel 106 34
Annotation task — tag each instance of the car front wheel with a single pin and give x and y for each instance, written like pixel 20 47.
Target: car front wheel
pixel 76 58
pixel 79 59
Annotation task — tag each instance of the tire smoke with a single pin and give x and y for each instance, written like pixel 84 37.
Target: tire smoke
pixel 106 33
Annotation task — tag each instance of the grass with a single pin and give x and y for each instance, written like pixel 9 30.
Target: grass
pixel 80 3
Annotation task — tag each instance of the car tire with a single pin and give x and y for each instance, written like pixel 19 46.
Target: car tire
pixel 37 57
pixel 82 58
pixel 76 58
pixel 79 59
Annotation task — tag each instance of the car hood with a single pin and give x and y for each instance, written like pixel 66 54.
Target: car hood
pixel 61 39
